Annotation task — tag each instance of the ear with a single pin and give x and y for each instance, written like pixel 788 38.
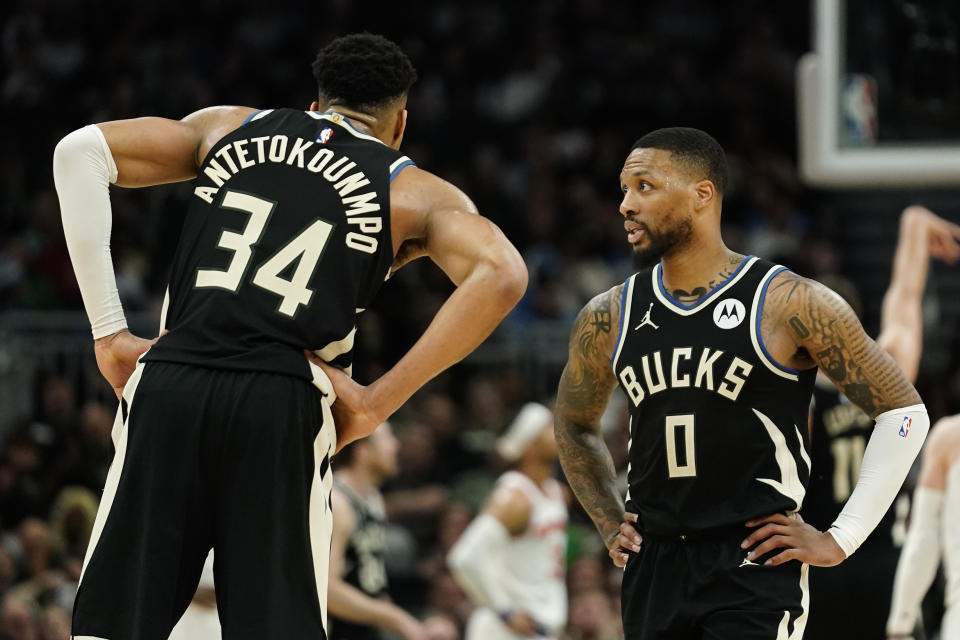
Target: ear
pixel 398 128
pixel 706 194
pixel 314 106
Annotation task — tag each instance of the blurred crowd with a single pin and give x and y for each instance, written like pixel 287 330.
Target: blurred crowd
pixel 528 107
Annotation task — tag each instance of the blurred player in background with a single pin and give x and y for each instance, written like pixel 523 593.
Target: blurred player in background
pixel 510 560
pixel 717 353
pixel 225 430
pixel 934 534
pixel 853 599
pixel 358 594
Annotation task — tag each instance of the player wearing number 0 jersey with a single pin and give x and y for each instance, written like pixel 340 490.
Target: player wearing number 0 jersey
pixel 717 354
pixel 226 427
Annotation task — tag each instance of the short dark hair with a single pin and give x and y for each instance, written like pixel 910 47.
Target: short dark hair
pixel 692 148
pixel 363 71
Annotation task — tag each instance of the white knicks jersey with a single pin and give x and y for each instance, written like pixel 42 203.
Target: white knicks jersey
pixel 533 565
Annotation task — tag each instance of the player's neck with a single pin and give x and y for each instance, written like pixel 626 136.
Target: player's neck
pixel 363 121
pixel 698 268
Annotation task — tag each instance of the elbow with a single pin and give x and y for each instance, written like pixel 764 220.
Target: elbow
pixel 509 282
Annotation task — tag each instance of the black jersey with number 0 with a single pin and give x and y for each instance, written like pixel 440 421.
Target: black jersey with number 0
pixel 364 566
pixel 286 239
pixel 717 427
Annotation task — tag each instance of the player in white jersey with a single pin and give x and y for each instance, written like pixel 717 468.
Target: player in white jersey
pixel 934 532
pixel 510 560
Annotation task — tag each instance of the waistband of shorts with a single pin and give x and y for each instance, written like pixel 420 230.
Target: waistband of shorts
pixel 700 535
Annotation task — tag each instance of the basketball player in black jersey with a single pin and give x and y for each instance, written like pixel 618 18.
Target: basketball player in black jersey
pixel 853 600
pixel 224 433
pixel 717 353
pixel 358 593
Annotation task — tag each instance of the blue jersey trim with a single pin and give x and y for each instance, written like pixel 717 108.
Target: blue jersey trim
pixel 623 305
pixel 250 116
pixel 763 294
pixel 400 168
pixel 696 304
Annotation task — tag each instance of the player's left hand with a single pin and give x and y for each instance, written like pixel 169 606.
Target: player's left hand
pixel 799 540
pixel 353 413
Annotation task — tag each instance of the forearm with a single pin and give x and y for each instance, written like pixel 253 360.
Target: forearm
pixel 349 603
pixel 474 562
pixel 82 171
pixel 590 472
pixel 893 446
pixel 911 259
pixel 464 321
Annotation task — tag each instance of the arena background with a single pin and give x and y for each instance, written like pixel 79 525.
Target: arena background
pixel 528 107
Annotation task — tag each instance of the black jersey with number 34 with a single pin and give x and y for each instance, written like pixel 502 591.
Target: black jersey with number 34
pixel 286 240
pixel 717 426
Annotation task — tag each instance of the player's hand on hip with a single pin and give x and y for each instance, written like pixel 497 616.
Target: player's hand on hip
pixel 117 356
pixel 521 623
pixel 626 541
pixel 412 629
pixel 799 541
pixel 353 412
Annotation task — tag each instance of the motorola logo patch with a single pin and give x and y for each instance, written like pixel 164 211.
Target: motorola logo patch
pixel 729 313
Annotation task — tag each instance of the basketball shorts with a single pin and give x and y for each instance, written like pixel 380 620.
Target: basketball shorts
pixel 230 460
pixel 705 589
pixel 852 599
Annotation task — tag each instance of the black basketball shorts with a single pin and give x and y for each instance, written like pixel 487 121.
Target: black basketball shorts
pixel 233 460
pixel 706 589
pixel 852 599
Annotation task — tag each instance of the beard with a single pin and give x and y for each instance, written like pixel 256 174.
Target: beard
pixel 661 243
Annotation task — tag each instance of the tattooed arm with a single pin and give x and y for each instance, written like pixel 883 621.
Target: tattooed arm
pixel 820 328
pixel 823 330
pixel 582 397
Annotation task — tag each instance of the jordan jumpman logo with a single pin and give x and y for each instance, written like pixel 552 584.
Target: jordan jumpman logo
pixel 646 319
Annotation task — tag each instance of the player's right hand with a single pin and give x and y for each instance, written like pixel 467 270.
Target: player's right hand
pixel 626 542
pixel 117 356
pixel 943 236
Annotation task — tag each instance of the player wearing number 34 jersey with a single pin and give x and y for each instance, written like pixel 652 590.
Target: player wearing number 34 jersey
pixel 226 429
pixel 717 354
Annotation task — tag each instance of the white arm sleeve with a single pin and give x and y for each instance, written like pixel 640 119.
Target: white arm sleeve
pixel 894 444
pixel 475 560
pixel 83 169
pixel 918 561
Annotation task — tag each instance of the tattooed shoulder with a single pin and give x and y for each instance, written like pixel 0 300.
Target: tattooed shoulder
pixel 598 323
pixel 823 324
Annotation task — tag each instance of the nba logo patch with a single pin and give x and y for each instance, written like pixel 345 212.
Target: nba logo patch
pixel 325 136
pixel 905 426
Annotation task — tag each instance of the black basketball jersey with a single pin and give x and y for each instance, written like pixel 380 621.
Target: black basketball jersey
pixel 364 566
pixel 839 435
pixel 286 239
pixel 717 427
